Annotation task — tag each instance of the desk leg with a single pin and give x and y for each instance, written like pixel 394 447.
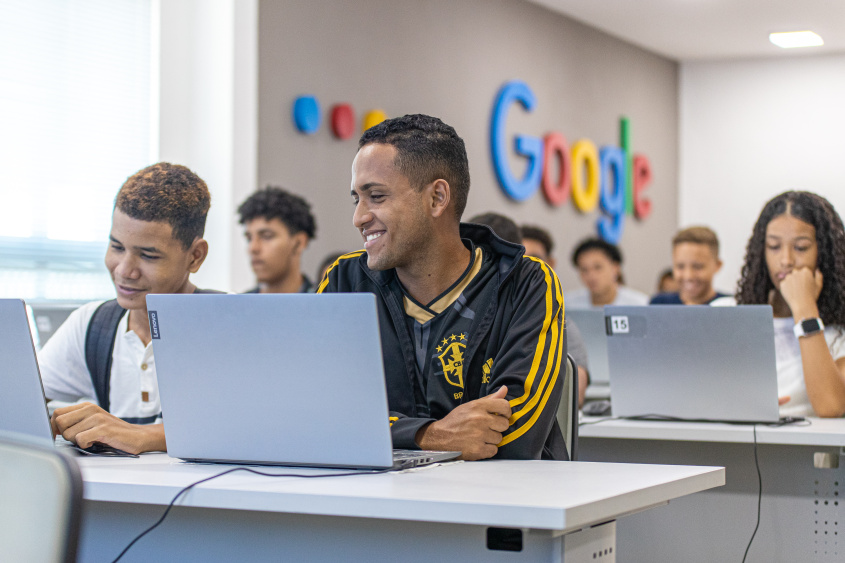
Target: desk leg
pixel 204 534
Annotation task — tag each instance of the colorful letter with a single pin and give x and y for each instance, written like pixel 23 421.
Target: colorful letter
pixel 585 193
pixel 343 121
pixel 530 147
pixel 373 118
pixel 642 178
pixel 612 195
pixel 556 147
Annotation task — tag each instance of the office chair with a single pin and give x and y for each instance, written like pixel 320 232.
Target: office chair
pixel 41 492
pixel 567 410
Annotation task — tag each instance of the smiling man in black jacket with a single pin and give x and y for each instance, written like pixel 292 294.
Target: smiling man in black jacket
pixel 472 331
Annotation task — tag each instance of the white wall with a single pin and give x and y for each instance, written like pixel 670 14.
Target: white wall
pixel 209 112
pixel 750 130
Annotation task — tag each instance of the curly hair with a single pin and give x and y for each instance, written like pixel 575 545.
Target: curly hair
pixel 168 193
pixel 426 150
pixel 610 250
pixel 755 283
pixel 274 202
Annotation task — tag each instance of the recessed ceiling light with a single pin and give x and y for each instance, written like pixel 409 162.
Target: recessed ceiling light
pixel 792 39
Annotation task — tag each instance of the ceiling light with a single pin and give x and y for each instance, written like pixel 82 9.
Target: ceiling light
pixel 792 39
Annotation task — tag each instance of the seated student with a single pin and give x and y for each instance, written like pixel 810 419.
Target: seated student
pixel 472 332
pixel 102 353
pixel 279 226
pixel 599 264
pixel 666 282
pixel 695 260
pixel 538 242
pixel 795 261
pixel 504 227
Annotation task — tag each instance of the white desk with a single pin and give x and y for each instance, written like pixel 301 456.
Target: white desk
pixel 431 514
pixel 802 515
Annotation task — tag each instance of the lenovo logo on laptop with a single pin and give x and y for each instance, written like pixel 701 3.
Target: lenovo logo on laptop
pixel 154 325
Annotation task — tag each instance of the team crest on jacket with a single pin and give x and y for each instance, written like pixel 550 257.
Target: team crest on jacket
pixel 452 358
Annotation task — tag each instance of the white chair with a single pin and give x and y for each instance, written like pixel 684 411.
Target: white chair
pixel 40 501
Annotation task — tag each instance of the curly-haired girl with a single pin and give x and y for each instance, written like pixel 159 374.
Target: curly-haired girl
pixel 795 261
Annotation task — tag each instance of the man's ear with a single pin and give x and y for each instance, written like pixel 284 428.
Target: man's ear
pixel 440 197
pixel 300 243
pixel 198 252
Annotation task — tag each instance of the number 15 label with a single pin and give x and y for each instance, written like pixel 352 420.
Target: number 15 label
pixel 619 325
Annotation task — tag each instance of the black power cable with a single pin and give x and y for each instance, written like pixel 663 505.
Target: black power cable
pixel 759 494
pixel 247 469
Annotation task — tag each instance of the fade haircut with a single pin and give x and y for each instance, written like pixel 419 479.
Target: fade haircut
pixel 541 235
pixel 426 150
pixel 167 193
pixel 698 235
pixel 274 202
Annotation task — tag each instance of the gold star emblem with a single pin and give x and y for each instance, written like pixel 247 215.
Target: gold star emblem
pixel 440 348
pixel 453 337
pixel 445 341
pixel 463 336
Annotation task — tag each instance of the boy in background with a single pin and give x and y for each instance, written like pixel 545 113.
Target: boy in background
pixel 695 260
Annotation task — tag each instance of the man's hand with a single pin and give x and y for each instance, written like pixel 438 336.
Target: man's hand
pixel 474 428
pixel 86 423
pixel 783 400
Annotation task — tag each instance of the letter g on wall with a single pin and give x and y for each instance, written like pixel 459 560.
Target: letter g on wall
pixel 527 146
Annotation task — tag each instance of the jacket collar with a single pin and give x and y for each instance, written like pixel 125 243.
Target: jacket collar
pixel 507 254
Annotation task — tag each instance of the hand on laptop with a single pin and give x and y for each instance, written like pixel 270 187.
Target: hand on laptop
pixel 474 428
pixel 86 423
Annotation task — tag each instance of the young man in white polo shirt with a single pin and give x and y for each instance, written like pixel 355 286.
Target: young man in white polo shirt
pixel 102 353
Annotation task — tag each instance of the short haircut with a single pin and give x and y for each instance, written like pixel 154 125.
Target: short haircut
pixel 698 235
pixel 539 234
pixel 167 193
pixel 274 202
pixel 426 150
pixel 503 227
pixel 610 250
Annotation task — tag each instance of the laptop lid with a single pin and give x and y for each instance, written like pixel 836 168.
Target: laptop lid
pixel 591 325
pixel 23 408
pixel 292 379
pixel 693 362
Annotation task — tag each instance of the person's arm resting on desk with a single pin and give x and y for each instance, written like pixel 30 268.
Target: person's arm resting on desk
pixel 526 371
pixel 86 424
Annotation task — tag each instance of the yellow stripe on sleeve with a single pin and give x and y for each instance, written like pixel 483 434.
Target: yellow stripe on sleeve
pixel 325 281
pixel 553 358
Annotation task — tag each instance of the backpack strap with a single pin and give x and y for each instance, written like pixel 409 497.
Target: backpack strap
pixel 99 344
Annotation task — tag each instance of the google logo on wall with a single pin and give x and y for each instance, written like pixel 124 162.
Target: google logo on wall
pixel 611 177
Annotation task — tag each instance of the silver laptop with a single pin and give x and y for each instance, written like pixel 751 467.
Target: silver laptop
pixel 281 379
pixel 591 325
pixel 693 362
pixel 23 408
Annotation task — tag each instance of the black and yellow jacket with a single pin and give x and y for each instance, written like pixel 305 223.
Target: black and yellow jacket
pixel 503 325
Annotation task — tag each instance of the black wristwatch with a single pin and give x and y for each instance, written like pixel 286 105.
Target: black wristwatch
pixel 808 327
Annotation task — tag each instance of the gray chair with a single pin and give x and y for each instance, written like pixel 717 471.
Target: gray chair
pixel 567 409
pixel 40 510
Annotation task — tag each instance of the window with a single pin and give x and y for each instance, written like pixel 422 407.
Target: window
pixel 77 117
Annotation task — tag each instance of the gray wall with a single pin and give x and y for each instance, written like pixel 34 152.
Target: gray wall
pixel 449 58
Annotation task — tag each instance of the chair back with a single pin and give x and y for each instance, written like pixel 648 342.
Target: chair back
pixel 567 410
pixel 40 501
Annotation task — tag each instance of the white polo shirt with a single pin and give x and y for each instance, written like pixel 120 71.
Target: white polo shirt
pixel 133 391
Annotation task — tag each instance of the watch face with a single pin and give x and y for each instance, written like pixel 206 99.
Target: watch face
pixel 810 326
